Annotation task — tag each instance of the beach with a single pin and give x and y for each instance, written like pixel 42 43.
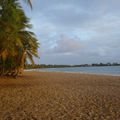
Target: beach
pixel 60 96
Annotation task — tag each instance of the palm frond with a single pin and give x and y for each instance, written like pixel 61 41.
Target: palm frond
pixel 29 2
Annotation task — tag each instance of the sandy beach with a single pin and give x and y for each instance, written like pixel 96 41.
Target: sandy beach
pixel 60 96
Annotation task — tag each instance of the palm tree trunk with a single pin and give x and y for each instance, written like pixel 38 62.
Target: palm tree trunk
pixel 22 61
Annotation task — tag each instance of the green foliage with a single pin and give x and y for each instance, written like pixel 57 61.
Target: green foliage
pixel 16 43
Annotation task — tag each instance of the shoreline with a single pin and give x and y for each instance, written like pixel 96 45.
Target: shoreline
pixel 86 73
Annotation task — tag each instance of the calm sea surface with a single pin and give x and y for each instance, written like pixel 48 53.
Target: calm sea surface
pixel 109 70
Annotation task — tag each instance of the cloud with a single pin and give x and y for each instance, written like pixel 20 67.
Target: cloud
pixel 69 29
pixel 66 46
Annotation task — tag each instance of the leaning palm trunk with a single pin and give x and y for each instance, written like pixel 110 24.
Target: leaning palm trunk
pixel 22 62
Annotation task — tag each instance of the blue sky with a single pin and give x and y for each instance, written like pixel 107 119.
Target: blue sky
pixel 76 31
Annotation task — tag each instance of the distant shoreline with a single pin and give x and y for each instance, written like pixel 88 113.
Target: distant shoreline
pixel 36 70
pixel 82 70
pixel 29 66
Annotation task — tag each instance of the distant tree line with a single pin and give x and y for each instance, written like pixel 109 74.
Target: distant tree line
pixel 35 66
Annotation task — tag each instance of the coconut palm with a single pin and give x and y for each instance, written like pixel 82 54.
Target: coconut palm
pixel 17 43
pixel 28 1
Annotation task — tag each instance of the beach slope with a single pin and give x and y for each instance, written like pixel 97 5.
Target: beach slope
pixel 60 96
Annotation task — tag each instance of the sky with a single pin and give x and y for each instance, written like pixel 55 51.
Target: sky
pixel 76 31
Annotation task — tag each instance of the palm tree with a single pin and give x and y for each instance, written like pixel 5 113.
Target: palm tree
pixel 28 1
pixel 17 43
pixel 29 48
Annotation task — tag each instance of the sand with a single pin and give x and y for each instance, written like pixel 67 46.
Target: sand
pixel 60 96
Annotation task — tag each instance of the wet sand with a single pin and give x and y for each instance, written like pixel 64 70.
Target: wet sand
pixel 60 96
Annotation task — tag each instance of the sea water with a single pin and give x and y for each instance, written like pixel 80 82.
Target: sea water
pixel 105 70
